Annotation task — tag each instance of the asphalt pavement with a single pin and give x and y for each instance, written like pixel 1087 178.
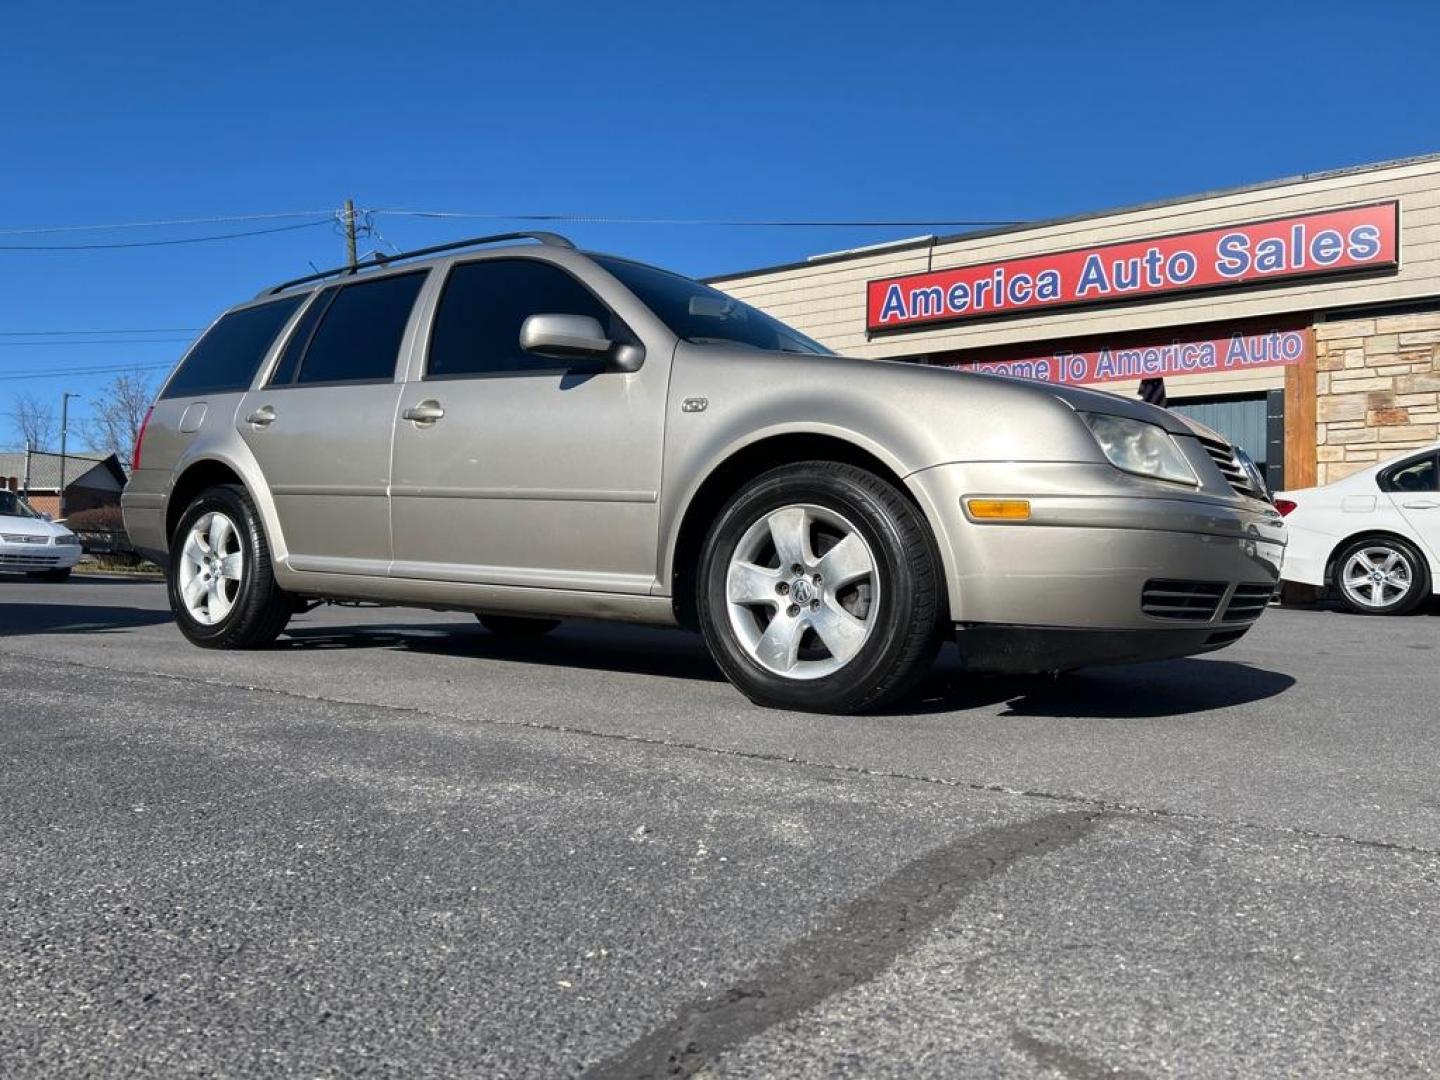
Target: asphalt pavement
pixel 394 845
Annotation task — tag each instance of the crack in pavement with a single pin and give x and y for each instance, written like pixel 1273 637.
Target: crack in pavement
pixel 858 942
pixel 1107 806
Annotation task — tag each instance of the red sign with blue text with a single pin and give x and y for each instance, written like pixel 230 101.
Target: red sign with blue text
pixel 1304 245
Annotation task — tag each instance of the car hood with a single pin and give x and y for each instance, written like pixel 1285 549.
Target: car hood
pixel 27 526
pixel 1076 397
pixel 923 415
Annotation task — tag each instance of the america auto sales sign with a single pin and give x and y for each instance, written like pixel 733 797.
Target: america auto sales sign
pixel 1352 240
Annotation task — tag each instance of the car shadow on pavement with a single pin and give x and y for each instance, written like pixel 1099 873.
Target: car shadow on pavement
pixel 1130 691
pixel 616 647
pixel 24 619
pixel 1157 689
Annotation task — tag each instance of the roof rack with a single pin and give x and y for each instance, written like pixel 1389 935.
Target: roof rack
pixel 548 238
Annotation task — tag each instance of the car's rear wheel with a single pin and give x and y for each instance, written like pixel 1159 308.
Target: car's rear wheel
pixel 820 589
pixel 517 627
pixel 1381 576
pixel 53 575
pixel 221 580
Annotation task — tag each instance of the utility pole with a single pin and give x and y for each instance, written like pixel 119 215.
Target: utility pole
pixel 349 221
pixel 64 425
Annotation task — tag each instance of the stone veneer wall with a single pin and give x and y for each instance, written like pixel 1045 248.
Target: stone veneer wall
pixel 1377 384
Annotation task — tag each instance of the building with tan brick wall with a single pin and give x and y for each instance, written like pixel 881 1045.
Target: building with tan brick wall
pixel 1377 383
pixel 1301 317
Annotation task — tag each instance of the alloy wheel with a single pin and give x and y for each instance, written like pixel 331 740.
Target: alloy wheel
pixel 803 591
pixel 1376 576
pixel 211 566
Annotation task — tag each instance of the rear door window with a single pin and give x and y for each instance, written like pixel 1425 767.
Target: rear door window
pixel 359 336
pixel 225 359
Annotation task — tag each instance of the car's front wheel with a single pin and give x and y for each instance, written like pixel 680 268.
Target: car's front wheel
pixel 1381 576
pixel 820 589
pixel 53 575
pixel 221 580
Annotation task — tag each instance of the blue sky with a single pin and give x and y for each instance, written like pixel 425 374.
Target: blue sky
pixel 934 111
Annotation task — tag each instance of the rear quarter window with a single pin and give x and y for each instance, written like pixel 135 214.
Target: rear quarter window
pixel 226 358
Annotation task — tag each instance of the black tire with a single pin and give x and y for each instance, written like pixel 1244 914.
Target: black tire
pixel 1403 603
pixel 517 627
pixel 52 575
pixel 261 609
pixel 905 635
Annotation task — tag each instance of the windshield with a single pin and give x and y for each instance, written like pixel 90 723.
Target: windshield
pixel 12 505
pixel 699 313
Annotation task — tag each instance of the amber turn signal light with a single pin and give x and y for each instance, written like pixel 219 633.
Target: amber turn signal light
pixel 998 509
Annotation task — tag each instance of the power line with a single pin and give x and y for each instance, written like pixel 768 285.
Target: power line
pixel 597 219
pixel 163 243
pixel 101 342
pixel 31 230
pixel 73 372
pixel 105 342
pixel 72 333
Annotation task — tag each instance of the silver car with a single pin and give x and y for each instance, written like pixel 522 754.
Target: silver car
pixel 533 433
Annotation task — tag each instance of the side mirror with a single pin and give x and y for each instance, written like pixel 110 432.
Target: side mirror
pixel 576 337
pixel 45 515
pixel 564 336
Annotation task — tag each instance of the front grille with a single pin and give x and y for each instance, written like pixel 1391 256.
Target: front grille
pixel 27 562
pixel 23 538
pixel 1223 454
pixel 1188 601
pixel 1248 602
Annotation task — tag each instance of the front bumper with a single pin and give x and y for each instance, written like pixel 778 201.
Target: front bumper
pixel 1069 586
pixel 32 558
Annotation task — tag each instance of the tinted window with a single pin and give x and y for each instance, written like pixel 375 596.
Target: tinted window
pixel 1411 476
pixel 358 338
pixel 226 358
pixel 299 338
pixel 699 313
pixel 477 329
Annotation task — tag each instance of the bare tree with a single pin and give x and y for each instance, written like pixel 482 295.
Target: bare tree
pixel 33 422
pixel 114 424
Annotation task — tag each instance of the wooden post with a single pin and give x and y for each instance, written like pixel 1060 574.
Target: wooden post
pixel 1301 431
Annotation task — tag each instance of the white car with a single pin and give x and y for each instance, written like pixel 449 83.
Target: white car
pixel 29 544
pixel 1372 538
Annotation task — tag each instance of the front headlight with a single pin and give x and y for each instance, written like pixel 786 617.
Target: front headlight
pixel 1141 448
pixel 68 539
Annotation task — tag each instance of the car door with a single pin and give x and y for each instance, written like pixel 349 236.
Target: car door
pixel 1413 487
pixel 320 427
pixel 523 470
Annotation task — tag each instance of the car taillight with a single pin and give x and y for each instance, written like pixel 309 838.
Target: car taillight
pixel 1285 506
pixel 140 438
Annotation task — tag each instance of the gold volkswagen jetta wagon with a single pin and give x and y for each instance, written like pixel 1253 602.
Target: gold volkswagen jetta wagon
pixel 532 432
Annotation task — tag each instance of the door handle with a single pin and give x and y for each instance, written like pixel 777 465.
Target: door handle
pixel 262 417
pixel 427 412
pixel 1425 504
